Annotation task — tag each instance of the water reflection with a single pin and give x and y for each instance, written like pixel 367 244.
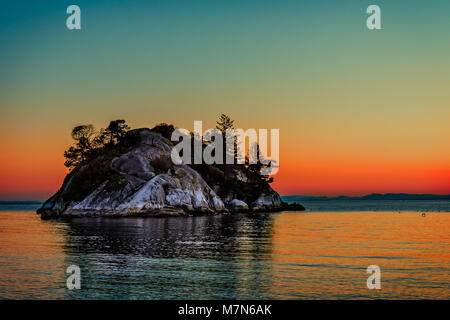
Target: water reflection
pixel 31 262
pixel 292 255
pixel 326 255
pixel 220 256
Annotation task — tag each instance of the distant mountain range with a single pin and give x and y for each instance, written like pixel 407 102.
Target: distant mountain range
pixel 373 196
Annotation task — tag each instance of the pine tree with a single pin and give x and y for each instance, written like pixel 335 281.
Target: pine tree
pixel 224 123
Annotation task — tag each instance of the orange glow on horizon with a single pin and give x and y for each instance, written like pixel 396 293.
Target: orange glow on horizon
pixel 32 168
pixel 37 174
pixel 349 177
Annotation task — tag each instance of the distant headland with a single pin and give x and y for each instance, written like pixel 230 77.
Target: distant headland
pixel 373 196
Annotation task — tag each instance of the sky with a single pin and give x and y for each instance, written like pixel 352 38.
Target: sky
pixel 359 111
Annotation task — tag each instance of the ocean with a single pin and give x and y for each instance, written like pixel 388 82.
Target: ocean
pixel 322 253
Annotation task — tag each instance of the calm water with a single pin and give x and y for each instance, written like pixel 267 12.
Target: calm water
pixel 291 255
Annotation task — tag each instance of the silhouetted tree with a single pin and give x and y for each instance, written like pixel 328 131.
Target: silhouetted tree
pixel 224 123
pixel 84 137
pixel 89 144
pixel 256 170
pixel 113 133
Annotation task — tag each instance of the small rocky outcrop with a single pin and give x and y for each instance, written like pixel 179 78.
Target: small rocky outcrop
pixel 139 179
pixel 236 205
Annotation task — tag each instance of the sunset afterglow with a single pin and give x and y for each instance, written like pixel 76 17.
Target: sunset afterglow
pixel 358 111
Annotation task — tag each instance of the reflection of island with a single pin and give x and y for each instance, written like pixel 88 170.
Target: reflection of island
pixel 121 173
pixel 172 257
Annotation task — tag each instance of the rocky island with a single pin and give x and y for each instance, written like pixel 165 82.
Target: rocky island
pixel 120 172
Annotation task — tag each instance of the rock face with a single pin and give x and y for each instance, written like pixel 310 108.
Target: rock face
pixel 143 182
pixel 236 205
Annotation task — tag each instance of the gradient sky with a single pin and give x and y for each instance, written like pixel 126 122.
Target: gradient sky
pixel 359 111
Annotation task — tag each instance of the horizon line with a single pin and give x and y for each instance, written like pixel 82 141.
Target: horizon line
pixel 298 195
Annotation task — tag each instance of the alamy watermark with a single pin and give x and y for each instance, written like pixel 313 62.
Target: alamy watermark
pixel 374 280
pixel 73 22
pixel 227 147
pixel 74 280
pixel 373 22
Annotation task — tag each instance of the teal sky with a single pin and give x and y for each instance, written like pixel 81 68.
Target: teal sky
pixel 183 45
pixel 358 96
